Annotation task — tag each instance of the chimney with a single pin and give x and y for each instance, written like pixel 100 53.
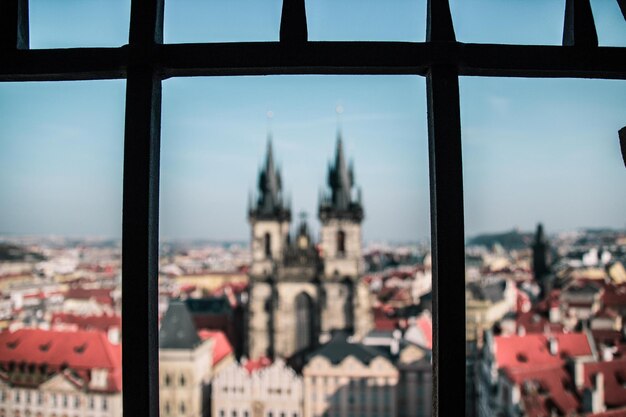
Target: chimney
pixel 593 398
pixel 395 343
pixel 521 330
pixel 579 372
pixel 553 344
pixel 555 314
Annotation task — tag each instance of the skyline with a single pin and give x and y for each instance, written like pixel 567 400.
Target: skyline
pixel 530 146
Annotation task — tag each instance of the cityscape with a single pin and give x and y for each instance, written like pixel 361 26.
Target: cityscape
pixel 301 324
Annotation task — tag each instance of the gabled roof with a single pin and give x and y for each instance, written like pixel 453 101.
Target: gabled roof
pixel 339 348
pixel 221 346
pixel 177 328
pixel 74 353
pixel 532 350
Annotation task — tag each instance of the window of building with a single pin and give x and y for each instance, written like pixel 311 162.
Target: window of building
pixel 182 408
pixel 39 397
pixel 182 380
pixel 341 243
pixel 65 400
pixel 267 244
pixel 27 396
pixel 105 404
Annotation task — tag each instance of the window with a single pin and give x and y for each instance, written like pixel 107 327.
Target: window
pixel 65 400
pixel 441 59
pixel 341 243
pixel 105 405
pixel 267 244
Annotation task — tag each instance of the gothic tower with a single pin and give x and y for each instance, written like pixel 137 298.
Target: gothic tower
pixel 269 218
pixel 542 261
pixel 299 291
pixel 341 214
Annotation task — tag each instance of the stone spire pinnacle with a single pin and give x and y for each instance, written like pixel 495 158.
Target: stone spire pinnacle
pixel 270 202
pixel 340 181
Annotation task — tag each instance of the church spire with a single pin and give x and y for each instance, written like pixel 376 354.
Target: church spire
pixel 340 181
pixel 270 201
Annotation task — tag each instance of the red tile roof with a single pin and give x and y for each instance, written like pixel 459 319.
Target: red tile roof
pixel 221 346
pixel 101 295
pixel 103 322
pixel 425 324
pixel 555 388
pixel 257 364
pixel 532 350
pixel 614 377
pixel 80 351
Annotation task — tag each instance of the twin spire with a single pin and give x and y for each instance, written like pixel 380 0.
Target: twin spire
pixel 337 201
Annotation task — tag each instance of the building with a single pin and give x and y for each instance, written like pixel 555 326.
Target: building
pixel 292 281
pixel 549 374
pixel 257 389
pixel 47 373
pixel 187 360
pixel 350 379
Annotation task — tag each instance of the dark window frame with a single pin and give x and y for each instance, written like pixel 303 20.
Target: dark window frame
pixel 146 61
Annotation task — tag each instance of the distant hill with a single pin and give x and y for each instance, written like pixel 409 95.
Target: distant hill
pixel 513 239
pixel 10 252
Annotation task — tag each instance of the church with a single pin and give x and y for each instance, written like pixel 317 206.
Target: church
pixel 302 290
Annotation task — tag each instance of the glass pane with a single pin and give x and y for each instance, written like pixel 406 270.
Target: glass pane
pixel 546 244
pixel 277 290
pixel 366 20
pixel 222 21
pixel 60 228
pixel 78 23
pixel 610 23
pixel 533 22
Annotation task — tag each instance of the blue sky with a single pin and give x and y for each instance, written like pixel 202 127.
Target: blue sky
pixel 534 150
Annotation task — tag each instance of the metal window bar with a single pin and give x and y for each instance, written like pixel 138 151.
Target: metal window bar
pixel 146 61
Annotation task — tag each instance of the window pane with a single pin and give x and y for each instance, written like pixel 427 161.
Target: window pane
pixel 243 267
pixel 533 22
pixel 546 242
pixel 366 20
pixel 60 227
pixel 609 23
pixel 78 23
pixel 222 21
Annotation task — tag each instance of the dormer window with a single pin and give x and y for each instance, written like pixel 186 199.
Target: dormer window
pixel 98 378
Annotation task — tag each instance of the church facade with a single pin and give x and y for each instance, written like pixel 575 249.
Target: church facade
pixel 300 290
